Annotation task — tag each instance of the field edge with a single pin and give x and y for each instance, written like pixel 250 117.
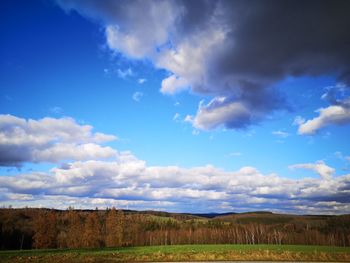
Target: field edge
pixel 180 253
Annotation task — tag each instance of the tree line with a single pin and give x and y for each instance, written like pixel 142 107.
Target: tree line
pixel 45 228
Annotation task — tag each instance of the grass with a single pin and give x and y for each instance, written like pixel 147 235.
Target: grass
pixel 181 253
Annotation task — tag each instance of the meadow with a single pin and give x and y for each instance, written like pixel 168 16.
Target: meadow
pixel 182 253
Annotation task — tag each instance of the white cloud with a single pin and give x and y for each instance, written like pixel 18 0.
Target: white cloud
pixel 130 181
pixel 319 167
pixel 211 47
pixel 189 61
pixel 338 113
pixel 141 81
pixel 49 140
pixel 137 96
pixel 125 43
pixel 281 134
pixel 101 137
pixel 332 115
pixel 173 84
pixel 133 38
pixel 66 151
pixel 126 180
pixel 217 112
pixel 188 118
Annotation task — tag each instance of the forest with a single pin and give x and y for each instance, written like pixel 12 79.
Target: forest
pixel 30 228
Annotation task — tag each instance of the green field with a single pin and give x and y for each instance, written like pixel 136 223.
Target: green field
pixel 182 253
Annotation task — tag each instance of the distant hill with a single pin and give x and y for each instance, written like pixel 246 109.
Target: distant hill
pixel 213 215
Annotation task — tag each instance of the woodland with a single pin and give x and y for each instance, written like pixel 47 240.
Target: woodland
pixel 34 228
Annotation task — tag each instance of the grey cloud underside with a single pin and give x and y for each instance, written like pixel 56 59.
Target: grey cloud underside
pixel 234 49
pixel 278 38
pixel 130 181
pixel 102 176
pixel 49 140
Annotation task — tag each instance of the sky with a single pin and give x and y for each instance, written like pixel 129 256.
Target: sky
pixel 181 106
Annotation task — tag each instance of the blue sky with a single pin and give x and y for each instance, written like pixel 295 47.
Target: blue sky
pixel 174 93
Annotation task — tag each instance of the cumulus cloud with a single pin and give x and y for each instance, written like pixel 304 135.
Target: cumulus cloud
pixel 332 115
pixel 135 28
pixel 319 167
pixel 173 84
pixel 49 140
pixel 175 187
pixel 128 180
pixel 89 180
pixel 228 49
pixel 219 112
pixel 338 113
